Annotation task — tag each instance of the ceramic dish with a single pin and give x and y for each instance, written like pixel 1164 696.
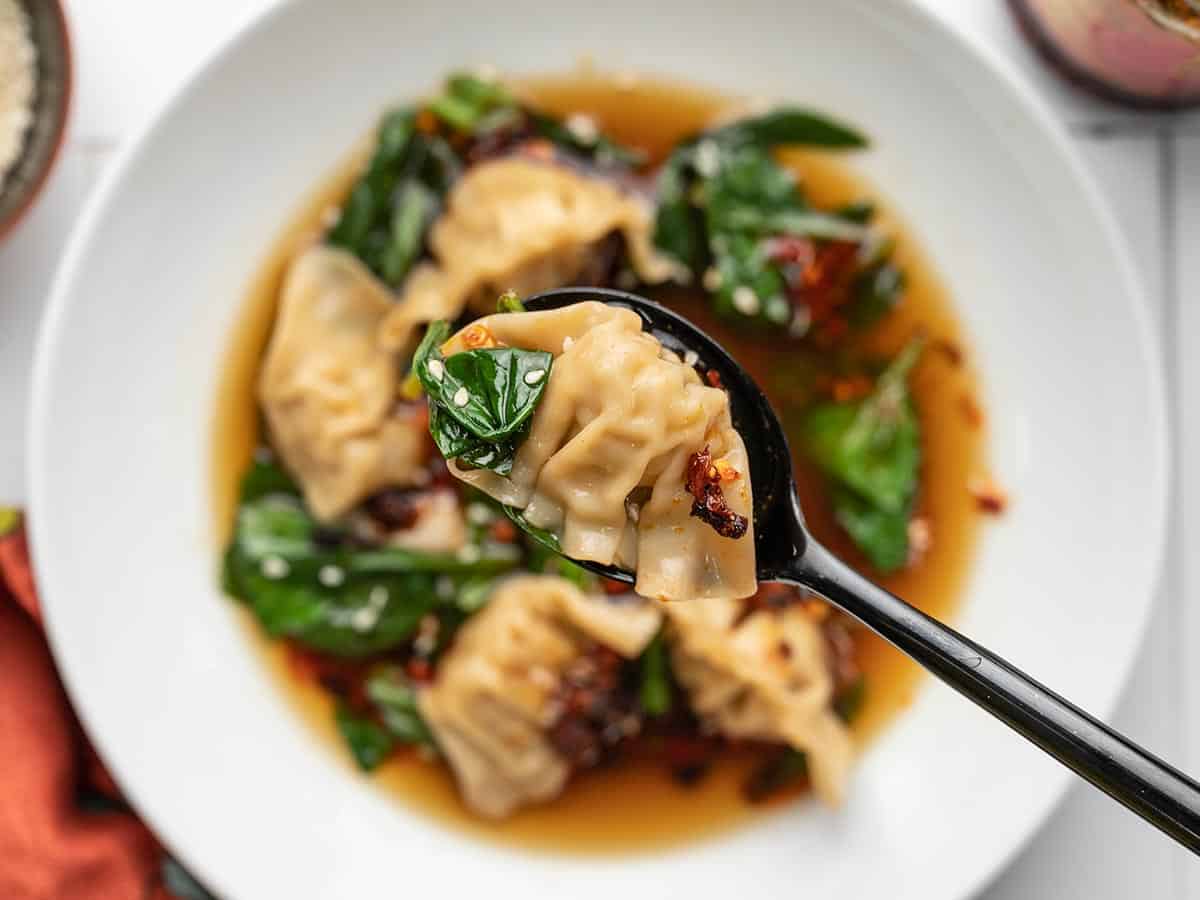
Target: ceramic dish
pixel 131 352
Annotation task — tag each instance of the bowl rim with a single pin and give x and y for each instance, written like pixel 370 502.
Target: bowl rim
pixel 63 115
pixel 1022 89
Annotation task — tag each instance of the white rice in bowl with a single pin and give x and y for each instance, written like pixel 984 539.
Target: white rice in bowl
pixel 18 81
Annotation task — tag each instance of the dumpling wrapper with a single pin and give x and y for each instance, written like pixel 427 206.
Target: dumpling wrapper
pixel 489 707
pixel 621 416
pixel 742 682
pixel 329 392
pixel 523 225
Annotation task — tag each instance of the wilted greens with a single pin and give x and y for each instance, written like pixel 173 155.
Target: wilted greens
pixel 480 401
pixel 870 449
pixel 315 586
pixel 725 203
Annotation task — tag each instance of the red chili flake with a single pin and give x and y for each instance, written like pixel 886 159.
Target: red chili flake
pixel 703 481
pixel 713 377
pixel 971 410
pixel 989 496
pixel 612 586
pixel 539 149
pixel 791 249
pixel 855 387
pixel 419 669
pixel 951 351
pixel 503 531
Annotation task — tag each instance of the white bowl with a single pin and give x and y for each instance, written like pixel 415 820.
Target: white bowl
pixel 125 386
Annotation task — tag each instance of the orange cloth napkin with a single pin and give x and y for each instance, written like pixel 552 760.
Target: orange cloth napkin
pixel 51 847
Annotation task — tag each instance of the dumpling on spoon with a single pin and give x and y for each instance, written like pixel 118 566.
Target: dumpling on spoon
pixel 601 437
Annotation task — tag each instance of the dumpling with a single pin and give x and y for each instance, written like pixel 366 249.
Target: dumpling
pixel 608 453
pixel 523 225
pixel 329 391
pixel 492 705
pixel 765 677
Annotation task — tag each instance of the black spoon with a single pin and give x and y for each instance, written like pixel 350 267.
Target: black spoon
pixel 1159 793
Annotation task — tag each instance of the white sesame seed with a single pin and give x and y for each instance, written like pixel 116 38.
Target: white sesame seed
pixel 378 597
pixel 778 310
pixel 567 342
pixel 462 397
pixel 583 128
pixel 364 618
pixel 711 279
pixel 479 514
pixel 535 376
pixel 275 567
pixel 436 369
pixel 745 300
pixel 468 553
pixel 708 158
pixel 331 576
pixel 691 357
pixel 486 72
pixel 801 322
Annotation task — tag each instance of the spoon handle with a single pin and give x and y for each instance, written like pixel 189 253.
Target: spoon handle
pixel 1156 791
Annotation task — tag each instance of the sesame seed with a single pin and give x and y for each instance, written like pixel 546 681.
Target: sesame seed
pixel 436 369
pixel 583 128
pixel 535 376
pixel 691 357
pixel 378 596
pixel 778 310
pixel 364 618
pixel 708 158
pixel 711 280
pixel 486 72
pixel 568 341
pixel 331 576
pixel 801 322
pixel 746 301
pixel 479 514
pixel 468 553
pixel 462 397
pixel 275 567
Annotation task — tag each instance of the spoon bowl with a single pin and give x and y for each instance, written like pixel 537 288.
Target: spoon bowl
pixel 786 552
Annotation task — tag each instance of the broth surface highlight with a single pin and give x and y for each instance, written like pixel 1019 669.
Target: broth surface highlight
pixel 636 805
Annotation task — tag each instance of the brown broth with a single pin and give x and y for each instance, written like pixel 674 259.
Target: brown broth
pixel 596 813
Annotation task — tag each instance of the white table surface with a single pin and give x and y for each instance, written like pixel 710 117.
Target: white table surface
pixel 130 55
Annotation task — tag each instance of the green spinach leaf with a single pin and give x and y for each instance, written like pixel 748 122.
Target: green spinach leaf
pixel 480 400
pixel 792 125
pixel 313 587
pixel 870 450
pixel 369 742
pixel 396 703
pixel 654 692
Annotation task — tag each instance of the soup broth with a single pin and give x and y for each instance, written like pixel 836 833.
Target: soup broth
pixel 635 805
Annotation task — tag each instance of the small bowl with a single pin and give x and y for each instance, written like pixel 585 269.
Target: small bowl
pixel 52 101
